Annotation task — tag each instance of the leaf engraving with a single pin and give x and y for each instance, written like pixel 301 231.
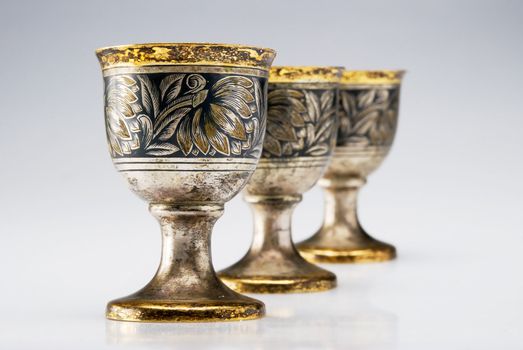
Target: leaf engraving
pixel 368 117
pixel 150 95
pixel 168 126
pixel 188 115
pixel 147 129
pixel 313 106
pixel 300 122
pixel 170 87
pixel 161 149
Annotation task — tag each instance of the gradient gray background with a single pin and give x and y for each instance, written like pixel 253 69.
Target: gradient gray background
pixel 449 196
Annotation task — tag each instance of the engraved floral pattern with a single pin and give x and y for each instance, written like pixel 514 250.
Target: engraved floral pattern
pixel 300 122
pixel 187 115
pixel 121 110
pixel 368 117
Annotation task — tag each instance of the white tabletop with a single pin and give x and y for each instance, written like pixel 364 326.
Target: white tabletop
pixel 420 301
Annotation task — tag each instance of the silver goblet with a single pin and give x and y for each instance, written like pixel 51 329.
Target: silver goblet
pixel 369 102
pixel 185 124
pixel 300 137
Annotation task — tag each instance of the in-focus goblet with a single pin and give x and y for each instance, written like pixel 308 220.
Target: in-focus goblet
pixel 185 124
pixel 368 113
pixel 300 136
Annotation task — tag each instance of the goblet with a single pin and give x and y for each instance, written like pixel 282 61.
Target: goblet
pixel 300 136
pixel 369 103
pixel 185 125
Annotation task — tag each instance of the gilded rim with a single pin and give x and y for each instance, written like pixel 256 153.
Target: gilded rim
pixel 305 74
pixel 149 54
pixel 372 77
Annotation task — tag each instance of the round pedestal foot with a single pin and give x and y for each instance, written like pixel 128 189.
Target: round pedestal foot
pixel 280 284
pixel 276 272
pixel 362 252
pixel 141 310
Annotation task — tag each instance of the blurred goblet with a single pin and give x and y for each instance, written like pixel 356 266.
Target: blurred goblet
pixel 300 136
pixel 185 124
pixel 369 103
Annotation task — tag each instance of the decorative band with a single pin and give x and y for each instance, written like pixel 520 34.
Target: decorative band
pixel 167 160
pixel 355 151
pixel 293 162
pixel 356 87
pixel 185 69
pixel 166 164
pixel 184 167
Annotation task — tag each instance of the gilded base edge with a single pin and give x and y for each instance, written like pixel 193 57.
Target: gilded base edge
pixel 355 255
pixel 161 311
pixel 264 285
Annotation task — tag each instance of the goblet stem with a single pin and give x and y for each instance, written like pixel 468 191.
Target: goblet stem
pixel 272 223
pixel 341 237
pixel 185 287
pixel 341 208
pixel 272 264
pixel 186 257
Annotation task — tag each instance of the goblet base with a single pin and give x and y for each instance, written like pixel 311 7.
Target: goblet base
pixel 363 251
pixel 282 285
pixel 272 275
pixel 185 287
pixel 150 310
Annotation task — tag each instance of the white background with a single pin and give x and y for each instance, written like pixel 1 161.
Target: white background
pixel 449 196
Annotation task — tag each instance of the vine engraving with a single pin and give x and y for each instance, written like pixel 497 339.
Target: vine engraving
pixel 184 115
pixel 300 122
pixel 368 117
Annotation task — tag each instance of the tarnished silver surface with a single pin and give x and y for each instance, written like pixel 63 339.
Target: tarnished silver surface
pixel 369 102
pixel 300 137
pixel 185 129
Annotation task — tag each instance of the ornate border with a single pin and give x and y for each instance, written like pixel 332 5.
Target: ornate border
pixel 255 72
pixel 301 120
pixel 368 117
pixel 187 115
